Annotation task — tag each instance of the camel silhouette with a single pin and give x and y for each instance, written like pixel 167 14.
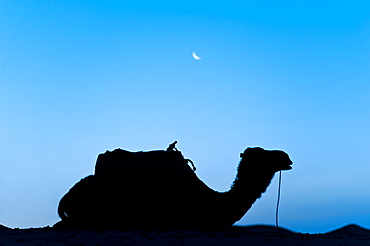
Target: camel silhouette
pixel 159 190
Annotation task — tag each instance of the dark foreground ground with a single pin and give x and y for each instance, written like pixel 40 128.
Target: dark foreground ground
pixel 249 235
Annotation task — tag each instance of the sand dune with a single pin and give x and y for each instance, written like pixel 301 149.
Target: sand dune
pixel 249 235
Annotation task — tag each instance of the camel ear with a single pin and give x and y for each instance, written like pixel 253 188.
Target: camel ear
pixel 252 152
pixel 246 151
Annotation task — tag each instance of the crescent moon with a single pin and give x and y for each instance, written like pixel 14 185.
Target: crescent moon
pixel 195 56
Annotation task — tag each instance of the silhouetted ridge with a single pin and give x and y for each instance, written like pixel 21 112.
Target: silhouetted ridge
pixel 349 230
pixel 2 227
pixel 159 190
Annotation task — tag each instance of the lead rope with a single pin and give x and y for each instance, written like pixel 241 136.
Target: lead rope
pixel 278 203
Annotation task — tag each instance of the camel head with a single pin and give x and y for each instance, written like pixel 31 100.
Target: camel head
pixel 275 160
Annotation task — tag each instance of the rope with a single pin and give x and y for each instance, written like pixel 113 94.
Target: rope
pixel 278 202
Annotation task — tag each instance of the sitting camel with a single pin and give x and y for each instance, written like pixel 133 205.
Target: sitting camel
pixel 159 190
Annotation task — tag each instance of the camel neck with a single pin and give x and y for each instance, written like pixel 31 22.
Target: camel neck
pixel 246 189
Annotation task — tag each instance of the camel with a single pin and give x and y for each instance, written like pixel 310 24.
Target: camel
pixel 159 190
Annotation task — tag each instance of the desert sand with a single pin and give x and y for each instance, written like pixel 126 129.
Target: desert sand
pixel 249 235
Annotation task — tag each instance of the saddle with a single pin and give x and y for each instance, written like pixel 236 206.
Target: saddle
pixel 121 162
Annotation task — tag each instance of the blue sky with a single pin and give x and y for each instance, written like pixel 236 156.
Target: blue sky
pixel 80 77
